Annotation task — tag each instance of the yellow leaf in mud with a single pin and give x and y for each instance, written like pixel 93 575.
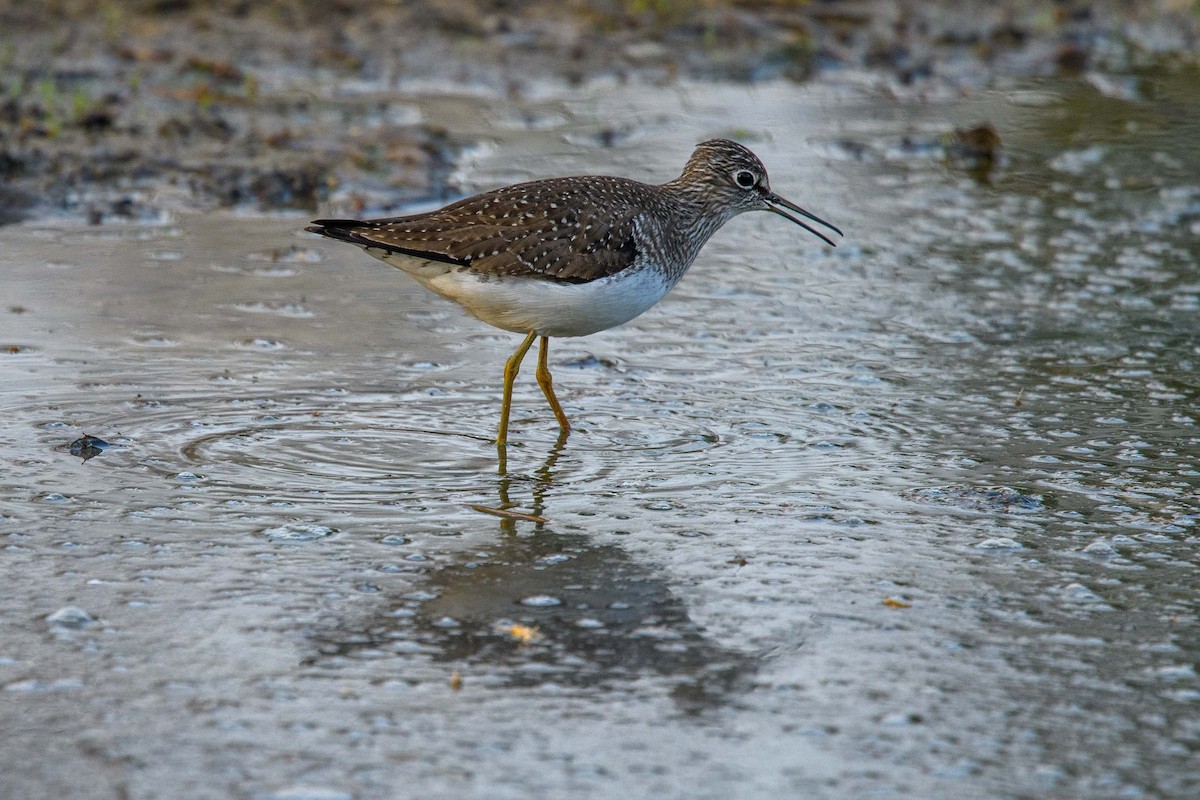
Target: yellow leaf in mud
pixel 892 602
pixel 523 633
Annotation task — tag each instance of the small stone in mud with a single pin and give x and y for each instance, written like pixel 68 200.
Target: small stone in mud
pixel 88 447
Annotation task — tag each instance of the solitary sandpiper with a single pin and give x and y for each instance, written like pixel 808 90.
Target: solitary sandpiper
pixel 570 256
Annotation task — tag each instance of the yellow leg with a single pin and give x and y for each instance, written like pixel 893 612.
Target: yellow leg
pixel 511 368
pixel 544 381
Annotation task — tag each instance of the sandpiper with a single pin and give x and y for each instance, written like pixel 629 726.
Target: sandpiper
pixel 570 256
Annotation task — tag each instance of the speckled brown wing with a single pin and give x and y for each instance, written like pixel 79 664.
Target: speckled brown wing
pixel 547 229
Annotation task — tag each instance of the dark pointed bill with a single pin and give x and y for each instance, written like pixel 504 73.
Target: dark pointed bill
pixel 774 202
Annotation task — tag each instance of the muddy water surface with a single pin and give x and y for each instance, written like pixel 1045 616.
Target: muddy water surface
pixel 915 517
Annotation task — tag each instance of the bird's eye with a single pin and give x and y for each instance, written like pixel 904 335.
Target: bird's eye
pixel 744 178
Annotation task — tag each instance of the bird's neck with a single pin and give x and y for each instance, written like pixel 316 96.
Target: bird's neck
pixel 695 218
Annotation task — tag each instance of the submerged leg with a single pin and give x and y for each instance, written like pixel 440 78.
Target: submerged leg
pixel 544 381
pixel 511 368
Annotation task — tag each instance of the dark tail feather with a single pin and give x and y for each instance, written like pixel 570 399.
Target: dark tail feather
pixel 350 230
pixel 342 229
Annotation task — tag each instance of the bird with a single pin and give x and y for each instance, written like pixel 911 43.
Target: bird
pixel 571 256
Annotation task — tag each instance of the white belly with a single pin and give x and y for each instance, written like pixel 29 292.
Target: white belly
pixel 551 308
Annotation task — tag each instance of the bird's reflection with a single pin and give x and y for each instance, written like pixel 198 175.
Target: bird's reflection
pixel 542 480
pixel 550 606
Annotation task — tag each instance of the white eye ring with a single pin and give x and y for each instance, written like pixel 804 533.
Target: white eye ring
pixel 745 178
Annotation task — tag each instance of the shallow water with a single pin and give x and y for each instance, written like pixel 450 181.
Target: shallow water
pixel 915 517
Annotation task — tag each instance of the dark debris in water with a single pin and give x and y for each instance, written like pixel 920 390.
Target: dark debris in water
pixel 88 447
pixel 1002 499
pixel 975 150
pixel 590 361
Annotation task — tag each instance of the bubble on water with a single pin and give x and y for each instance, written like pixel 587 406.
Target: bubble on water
pixel 270 307
pixel 71 617
pixel 1077 162
pixel 298 532
pixel 1174 672
pixel 1079 593
pixel 999 543
pixel 656 632
pixel 154 341
pixel 1117 86
pixel 304 793
pixel 1101 550
pixel 34 685
pixel 540 601
pixel 55 497
pixel 260 343
pixel 164 255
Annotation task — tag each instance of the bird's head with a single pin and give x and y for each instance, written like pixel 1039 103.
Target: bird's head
pixel 725 175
